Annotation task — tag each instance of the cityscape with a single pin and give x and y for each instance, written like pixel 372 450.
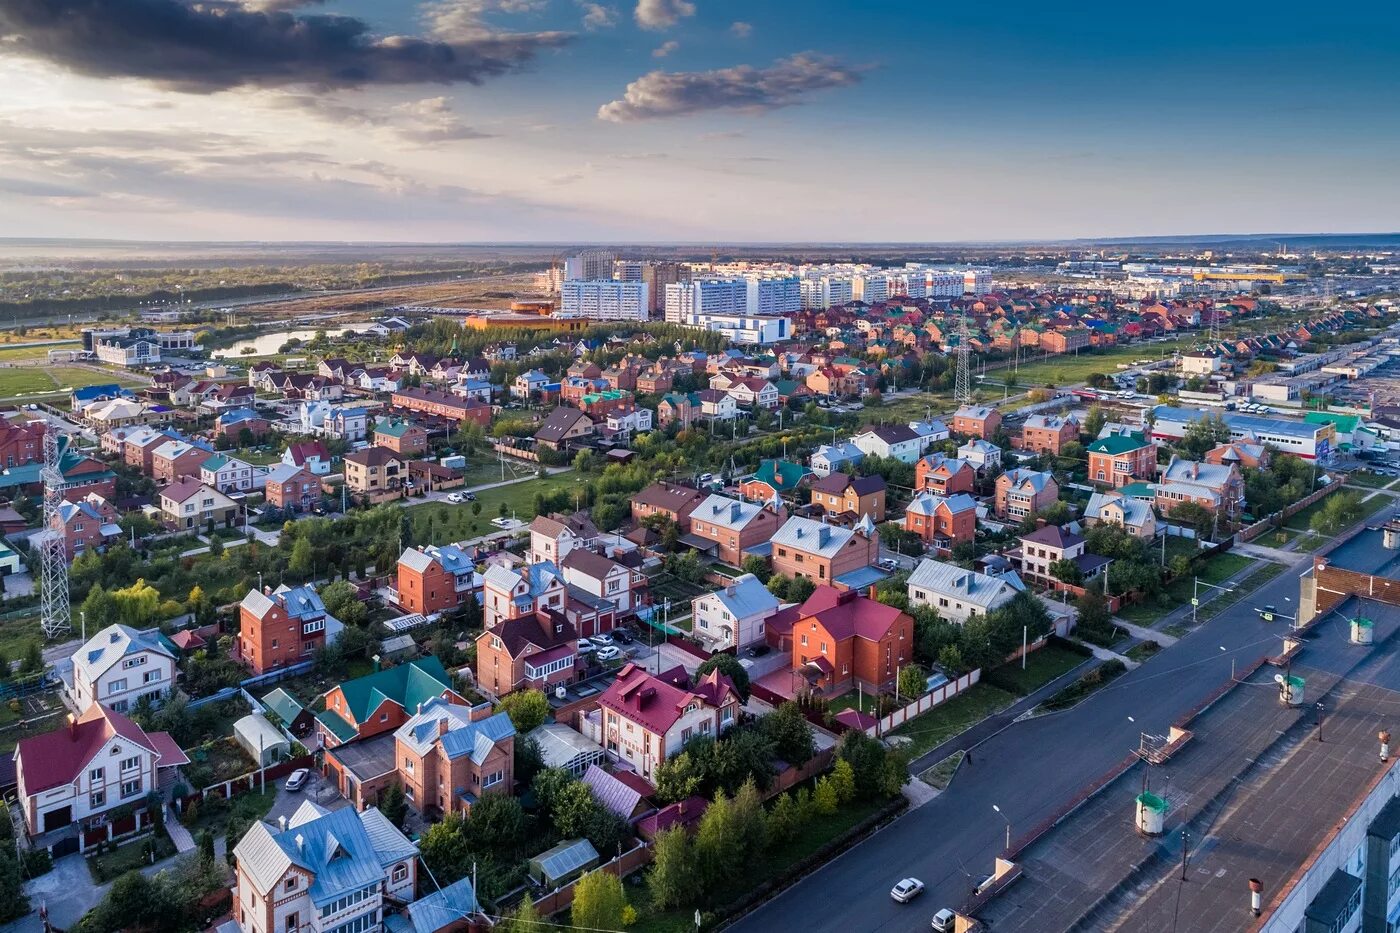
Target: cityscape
pixel 674 466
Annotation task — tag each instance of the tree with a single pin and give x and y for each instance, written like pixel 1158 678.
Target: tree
pixel 671 880
pixel 393 804
pixel 1193 515
pixel 476 510
pixel 750 819
pixel 782 820
pixel 718 844
pixel 1066 571
pixel 950 659
pixel 33 662
pixel 599 902
pixel 867 759
pixel 525 919
pixel 444 850
pixel 137 605
pixel 843 781
pixel 790 734
pixel 206 850
pixel 13 903
pixel 1339 510
pixel 549 785
pixel 1095 421
pixel 1203 435
pixel 572 810
pixel 758 566
pixel 729 666
pixel 676 778
pixel 528 759
pixel 1093 614
pixel 527 709
pixel 303 559
pixel 824 797
pixel 99 609
pixel 497 825
pixel 913 681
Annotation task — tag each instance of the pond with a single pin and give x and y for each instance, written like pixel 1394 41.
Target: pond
pixel 268 344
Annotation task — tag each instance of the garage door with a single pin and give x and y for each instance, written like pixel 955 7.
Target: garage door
pixel 57 819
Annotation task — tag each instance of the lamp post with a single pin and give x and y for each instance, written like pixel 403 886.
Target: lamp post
pixel 1195 594
pixel 1008 826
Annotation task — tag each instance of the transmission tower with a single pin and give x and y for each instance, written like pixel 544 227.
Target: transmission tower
pixel 962 390
pixel 55 613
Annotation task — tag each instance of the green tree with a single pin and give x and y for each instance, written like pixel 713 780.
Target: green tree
pixel 750 819
pixel 1095 421
pixel 99 610
pixel 729 666
pixel 303 559
pixel 137 605
pixel 393 804
pixel 549 785
pixel 782 820
pixel 1204 434
pixel 13 903
pixel 843 781
pixel 497 825
pixel 676 778
pixel 33 661
pixel 790 734
pixel 527 709
pixel 1193 515
pixel 528 759
pixel 671 880
pixel 572 810
pixel 444 850
pixel 718 845
pixel 1066 571
pixel 476 510
pixel 757 566
pixel 913 681
pixel 824 798
pixel 599 902
pixel 206 850
pixel 525 919
pixel 950 659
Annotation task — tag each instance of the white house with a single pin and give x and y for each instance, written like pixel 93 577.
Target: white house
pixel 957 594
pixel 229 474
pixel 322 871
pixel 347 424
pixel 528 383
pixel 635 421
pixel 984 455
pixel 600 577
pixel 715 403
pixel 734 617
pixel 890 440
pixel 836 458
pixel 119 665
pixel 553 536
pixel 930 432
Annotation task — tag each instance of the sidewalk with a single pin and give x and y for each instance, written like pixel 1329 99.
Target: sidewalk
pixel 1146 634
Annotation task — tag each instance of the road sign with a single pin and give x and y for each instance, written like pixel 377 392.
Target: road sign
pixel 1195 601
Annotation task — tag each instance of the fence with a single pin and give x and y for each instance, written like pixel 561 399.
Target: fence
pixel 244 783
pixel 925 703
pixel 1277 519
pixel 621 866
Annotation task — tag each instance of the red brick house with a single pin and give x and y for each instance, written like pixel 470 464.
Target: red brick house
pixel 279 628
pixel 675 502
pixel 292 487
pixel 443 405
pixel 384 700
pixel 1121 458
pixel 175 459
pixel 942 521
pixel 976 421
pixel 944 476
pixel 435 579
pixel 1044 434
pixel 88 524
pixel 533 651
pixel 21 443
pixel 838 638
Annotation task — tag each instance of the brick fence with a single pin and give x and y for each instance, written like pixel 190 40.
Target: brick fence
pixel 1277 519
pixel 560 899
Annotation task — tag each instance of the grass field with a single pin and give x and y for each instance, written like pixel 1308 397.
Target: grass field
pixel 946 720
pixel 36 380
pixel 1216 570
pixel 41 352
pixel 1042 667
pixel 1068 369
pixel 1367 479
pixel 440 522
pixel 1303 520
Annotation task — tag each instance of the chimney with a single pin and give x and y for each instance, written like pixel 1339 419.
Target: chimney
pixel 301 842
pixel 870 591
pixel 1256 896
pixel 282 823
pixel 267 591
pixel 1039 522
pixel 375 659
pixel 72 726
pixel 442 726
pixel 681 807
pixel 1385 745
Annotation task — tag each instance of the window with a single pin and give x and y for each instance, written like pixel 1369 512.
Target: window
pixel 400 873
pixel 131 788
pixel 292 883
pixel 408 765
pixel 492 779
pixel 134 662
pixel 130 764
pixel 804 641
pixel 97 798
pixel 95 775
pixel 116 686
pixel 151 677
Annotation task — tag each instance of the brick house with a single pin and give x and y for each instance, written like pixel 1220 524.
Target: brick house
pixel 436 578
pixel 944 476
pixel 291 487
pixel 603 578
pixel 442 405
pixel 1023 491
pixel 824 553
pixel 281 627
pixel 773 479
pixel 508 593
pixel 448 756
pixel 1042 548
pixel 564 425
pixel 175 459
pixel 88 524
pixel 675 502
pixel 645 719
pixel 729 527
pixel 310 454
pixel 553 536
pixel 535 651
pixel 21 442
pixel 942 521
pixel 848 499
pixel 1218 487
pixel 1048 434
pixel 189 504
pixel 375 471
pixel 1121 458
pixel 402 437
pixel 841 638
pixel 384 700
pixel 977 421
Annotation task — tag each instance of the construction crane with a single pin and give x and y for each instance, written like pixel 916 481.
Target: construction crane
pixel 55 612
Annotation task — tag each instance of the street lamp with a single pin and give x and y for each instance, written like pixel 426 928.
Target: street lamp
pixel 1195 594
pixel 1008 826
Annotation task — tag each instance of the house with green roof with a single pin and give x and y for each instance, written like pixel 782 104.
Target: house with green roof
pixel 382 701
pixel 774 478
pixel 1121 458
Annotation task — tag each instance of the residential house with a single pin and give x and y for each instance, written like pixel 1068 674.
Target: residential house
pixel 553 536
pixel 508 593
pixel 674 501
pixel 729 528
pixel 832 457
pixel 189 504
pixel 896 441
pixel 449 756
pixel 1048 544
pixel 21 442
pixel 977 421
pixel 1023 491
pixel 748 391
pixel 984 456
pixel 602 578
pixel 537 651
pixel 291 487
pixel 841 638
pixel 562 426
pixel 930 432
pixel 529 385
pixel 957 594
pixel 1121 458
pixel 376 472
pixel 1048 434
pixel 89 523
pixel 402 437
pixel 322 872
pixel 1242 454
pixel 138 448
pixel 229 474
pixel 310 454
pixel 678 406
pixel 645 719
pixel 774 479
pixel 98 762
pixel 943 475
pixel 733 617
pixel 717 405
pixel 848 499
pixel 1115 508
pixel 383 701
pixel 825 553
pixel 282 627
pixel 1218 487
pixel 942 521
pixel 233 422
pixel 347 424
pixel 477 390
pixel 175 459
pixel 119 666
pixel 435 579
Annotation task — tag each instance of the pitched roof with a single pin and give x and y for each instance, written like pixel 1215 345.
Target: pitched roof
pixel 890 433
pixel 745 597
pixel 926 503
pixel 58 757
pixel 656 702
pixel 559 423
pixel 1054 536
pixel 1116 444
pixel 304 450
pixel 406 685
pixel 588 563
pixel 112 644
pixel 969 586
pixel 669 497
pixel 441 721
pixel 544 631
pixel 848 613
pixel 780 474
pixel 615 795
pixel 1025 476
pixel 812 537
pixel 726 512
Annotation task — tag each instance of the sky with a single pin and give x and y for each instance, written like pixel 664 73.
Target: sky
pixel 694 120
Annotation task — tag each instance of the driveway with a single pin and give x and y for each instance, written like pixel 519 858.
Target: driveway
pixel 317 789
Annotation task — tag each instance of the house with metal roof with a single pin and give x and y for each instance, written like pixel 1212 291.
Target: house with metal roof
pixel 829 458
pixel 383 700
pixel 452 908
pixel 734 615
pixel 120 665
pixel 447 755
pixel 1117 508
pixel 774 478
pixel 282 627
pixel 322 871
pixel 624 796
pixel 823 553
pixel 436 579
pixel 957 594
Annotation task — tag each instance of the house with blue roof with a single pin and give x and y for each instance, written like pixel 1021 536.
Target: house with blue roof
pixel 734 617
pixel 96 393
pixel 449 755
pixel 836 458
pixel 322 870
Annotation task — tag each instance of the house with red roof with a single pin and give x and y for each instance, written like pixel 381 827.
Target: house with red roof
pixel 841 637
pixel 309 454
pixel 99 761
pixel 644 719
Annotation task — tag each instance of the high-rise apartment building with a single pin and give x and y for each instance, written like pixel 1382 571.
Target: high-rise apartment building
pixel 606 300
pixel 706 296
pixel 589 265
pixel 774 294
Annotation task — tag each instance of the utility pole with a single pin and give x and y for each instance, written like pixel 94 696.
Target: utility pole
pixel 1185 839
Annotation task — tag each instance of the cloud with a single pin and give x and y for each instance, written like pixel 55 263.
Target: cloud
pixel 431 120
pixel 597 16
pixel 666 48
pixel 463 19
pixel 741 29
pixel 742 87
pixel 268 6
pixel 662 14
pixel 203 48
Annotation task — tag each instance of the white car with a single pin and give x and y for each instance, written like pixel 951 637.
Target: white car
pixel 298 779
pixel 501 522
pixel 943 921
pixel 906 890
pixel 455 497
pixel 609 652
pixel 585 646
pixel 601 639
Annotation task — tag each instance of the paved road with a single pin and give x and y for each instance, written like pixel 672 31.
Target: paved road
pixel 1029 770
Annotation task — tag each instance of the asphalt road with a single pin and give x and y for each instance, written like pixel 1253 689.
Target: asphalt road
pixel 1029 770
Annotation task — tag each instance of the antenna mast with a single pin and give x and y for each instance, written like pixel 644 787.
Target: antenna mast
pixel 55 612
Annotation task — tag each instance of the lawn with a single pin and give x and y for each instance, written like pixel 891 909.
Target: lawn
pixel 1215 571
pixel 866 701
pixel 111 865
pixel 1261 575
pixel 1143 650
pixel 946 720
pixel 40 352
pixel 1042 666
pixel 16 635
pixel 1091 682
pixel 37 380
pixel 1069 369
pixel 441 522
pixel 214 812
pixel 941 774
pixel 1367 479
pixel 1369 506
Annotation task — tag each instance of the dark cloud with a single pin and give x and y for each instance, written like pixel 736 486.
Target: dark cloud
pixel 215 46
pixel 742 87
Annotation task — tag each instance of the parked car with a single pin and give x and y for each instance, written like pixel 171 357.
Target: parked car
pixel 906 890
pixel 758 651
pixel 585 646
pixel 470 496
pixel 944 920
pixel 601 639
pixel 609 652
pixel 455 497
pixel 298 779
pixel 622 636
pixel 888 564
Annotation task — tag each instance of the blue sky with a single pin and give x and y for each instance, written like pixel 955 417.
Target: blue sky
pixel 663 120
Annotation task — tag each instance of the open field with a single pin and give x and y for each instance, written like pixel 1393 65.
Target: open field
pixel 37 352
pixel 440 522
pixel 1042 666
pixel 34 380
pixel 1069 369
pixel 495 292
